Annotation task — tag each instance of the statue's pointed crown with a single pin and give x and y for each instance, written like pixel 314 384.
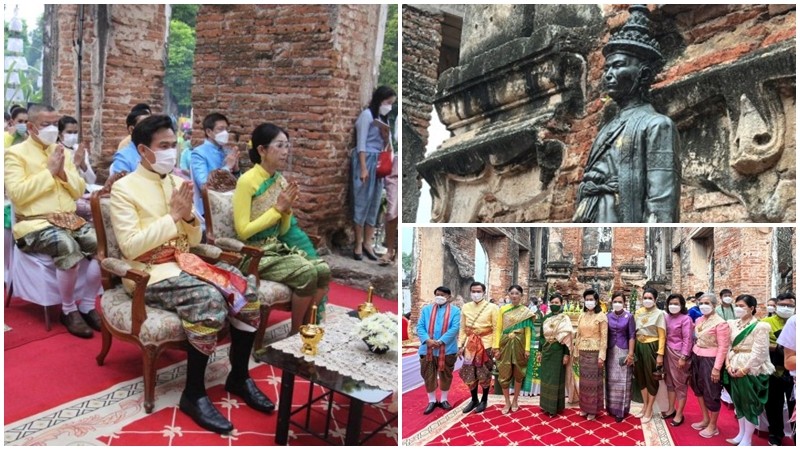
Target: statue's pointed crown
pixel 634 38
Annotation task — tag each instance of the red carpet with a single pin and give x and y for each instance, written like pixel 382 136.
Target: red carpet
pixel 415 402
pixel 685 435
pixel 33 356
pixel 171 427
pixel 527 427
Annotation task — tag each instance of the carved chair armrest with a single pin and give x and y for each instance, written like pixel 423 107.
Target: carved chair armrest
pixel 229 244
pixel 238 246
pixel 124 270
pixel 213 254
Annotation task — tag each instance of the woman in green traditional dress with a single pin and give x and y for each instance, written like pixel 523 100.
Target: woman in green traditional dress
pixel 512 346
pixel 555 343
pixel 531 386
pixel 262 215
pixel 748 367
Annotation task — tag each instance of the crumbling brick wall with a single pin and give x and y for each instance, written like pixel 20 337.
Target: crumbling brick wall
pixel 309 69
pixel 122 64
pixel 422 40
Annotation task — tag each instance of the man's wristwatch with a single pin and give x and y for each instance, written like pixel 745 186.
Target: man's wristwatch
pixel 193 220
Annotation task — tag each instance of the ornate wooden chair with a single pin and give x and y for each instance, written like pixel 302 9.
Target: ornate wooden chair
pixel 218 205
pixel 125 316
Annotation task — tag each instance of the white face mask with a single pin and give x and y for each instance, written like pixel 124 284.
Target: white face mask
pixel 590 304
pixel 48 135
pixel 647 303
pixel 70 139
pixel 706 309
pixel 738 311
pixel 476 296
pixel 674 309
pixel 784 312
pixel 221 137
pixel 617 306
pixel 385 109
pixel 771 309
pixel 22 128
pixel 727 300
pixel 165 160
pixel 439 300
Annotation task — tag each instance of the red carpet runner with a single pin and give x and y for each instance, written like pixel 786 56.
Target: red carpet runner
pixel 85 400
pixel 531 427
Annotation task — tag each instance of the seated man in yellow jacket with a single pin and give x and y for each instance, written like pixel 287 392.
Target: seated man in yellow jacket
pixel 154 223
pixel 43 184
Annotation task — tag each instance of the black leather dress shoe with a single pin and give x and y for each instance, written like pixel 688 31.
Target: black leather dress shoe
pixel 205 414
pixel 251 395
pixel 76 325
pixel 481 407
pixel 445 405
pixel 470 406
pixel 92 318
pixel 430 408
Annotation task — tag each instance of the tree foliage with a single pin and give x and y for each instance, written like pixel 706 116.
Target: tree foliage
pixel 180 60
pixel 186 14
pixel 388 69
pixel 408 262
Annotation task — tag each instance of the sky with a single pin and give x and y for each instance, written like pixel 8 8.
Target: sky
pixel 28 12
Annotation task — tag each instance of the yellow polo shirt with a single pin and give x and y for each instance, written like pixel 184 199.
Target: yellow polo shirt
pixel 141 220
pixel 33 190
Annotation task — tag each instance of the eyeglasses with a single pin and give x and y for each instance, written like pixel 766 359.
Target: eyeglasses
pixel 282 144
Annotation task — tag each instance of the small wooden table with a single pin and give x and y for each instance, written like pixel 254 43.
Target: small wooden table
pixel 357 391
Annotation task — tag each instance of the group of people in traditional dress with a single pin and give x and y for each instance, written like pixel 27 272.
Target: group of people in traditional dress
pixel 155 216
pixel 620 355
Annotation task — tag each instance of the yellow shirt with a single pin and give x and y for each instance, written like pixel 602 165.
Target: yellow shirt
pixel 592 333
pixel 498 329
pixel 247 185
pixel 124 142
pixel 480 317
pixel 8 140
pixel 141 220
pixel 33 190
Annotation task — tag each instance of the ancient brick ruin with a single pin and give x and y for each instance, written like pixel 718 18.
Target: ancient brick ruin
pixel 299 66
pixel 122 65
pixel 757 261
pixel 524 103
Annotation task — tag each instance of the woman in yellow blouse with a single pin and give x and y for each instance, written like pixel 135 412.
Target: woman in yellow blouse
pixel 591 342
pixel 512 345
pixel 651 341
pixel 262 216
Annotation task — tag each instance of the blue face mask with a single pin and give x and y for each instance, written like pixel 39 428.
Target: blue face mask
pixel 22 128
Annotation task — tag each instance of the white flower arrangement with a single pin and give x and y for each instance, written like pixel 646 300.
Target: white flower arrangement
pixel 378 330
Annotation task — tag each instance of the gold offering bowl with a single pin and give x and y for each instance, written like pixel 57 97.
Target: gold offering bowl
pixel 366 309
pixel 311 335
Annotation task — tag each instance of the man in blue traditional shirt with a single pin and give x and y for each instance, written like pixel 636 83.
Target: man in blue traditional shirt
pixel 437 329
pixel 127 158
pixel 212 155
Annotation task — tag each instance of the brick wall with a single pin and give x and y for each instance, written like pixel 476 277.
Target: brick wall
pixel 743 263
pixel 422 39
pixel 300 67
pixel 123 64
pixel 499 251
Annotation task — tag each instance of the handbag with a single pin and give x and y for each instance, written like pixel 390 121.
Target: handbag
pixel 384 168
pixel 659 374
